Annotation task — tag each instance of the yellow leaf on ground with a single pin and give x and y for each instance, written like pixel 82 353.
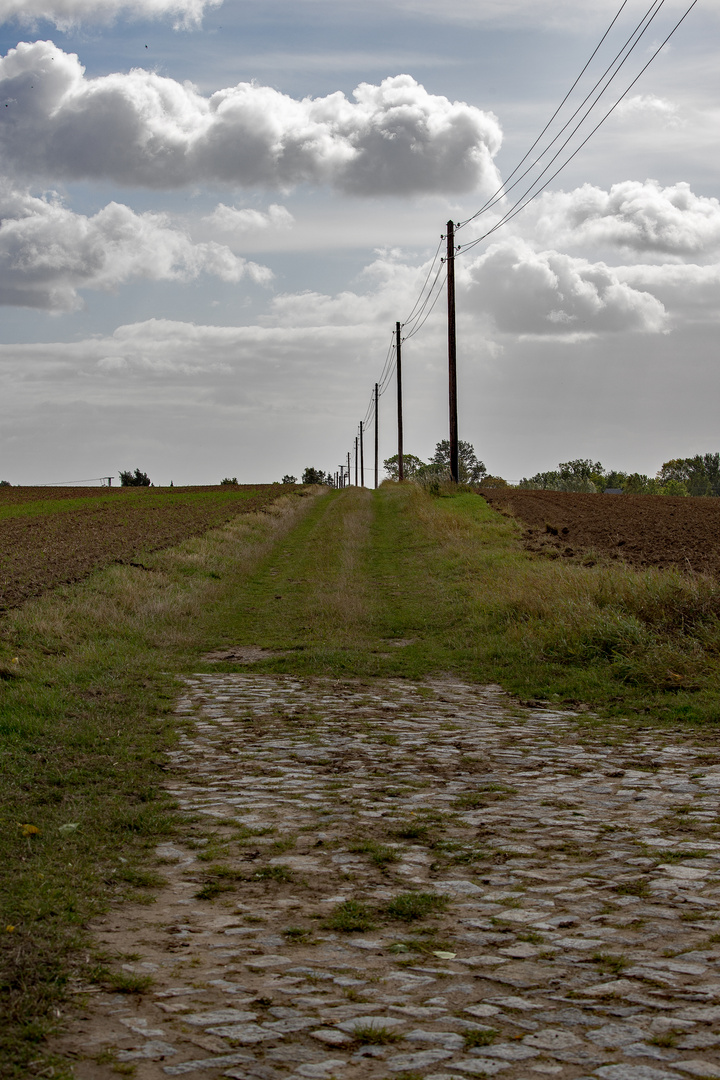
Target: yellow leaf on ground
pixel 29 830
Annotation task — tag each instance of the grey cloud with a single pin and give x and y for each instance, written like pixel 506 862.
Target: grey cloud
pixel 48 253
pixel 643 217
pixel 67 13
pixel 548 293
pixel 143 129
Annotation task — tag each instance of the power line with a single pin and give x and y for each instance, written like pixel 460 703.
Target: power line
pixel 428 313
pixel 504 188
pixel 520 205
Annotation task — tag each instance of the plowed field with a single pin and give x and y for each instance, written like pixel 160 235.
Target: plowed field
pixel 51 536
pixel 645 530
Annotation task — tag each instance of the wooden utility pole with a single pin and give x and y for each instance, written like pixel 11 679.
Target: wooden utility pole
pixel 376 434
pixel 356 461
pixel 452 353
pixel 348 467
pixel 362 457
pixel 398 350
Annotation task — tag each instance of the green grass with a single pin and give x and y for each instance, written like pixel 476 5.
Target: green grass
pixel 410 906
pixel 380 854
pixel 84 723
pixel 450 576
pixel 351 917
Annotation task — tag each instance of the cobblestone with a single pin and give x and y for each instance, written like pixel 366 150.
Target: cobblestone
pixel 576 934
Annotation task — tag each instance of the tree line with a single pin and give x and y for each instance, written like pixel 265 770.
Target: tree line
pixel 698 475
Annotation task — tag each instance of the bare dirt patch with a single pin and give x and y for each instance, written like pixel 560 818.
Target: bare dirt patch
pixel 242 654
pixel 644 530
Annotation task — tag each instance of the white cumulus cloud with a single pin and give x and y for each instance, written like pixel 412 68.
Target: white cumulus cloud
pixel 141 128
pixel 233 221
pixel 48 252
pixel 67 13
pixel 550 293
pixel 641 217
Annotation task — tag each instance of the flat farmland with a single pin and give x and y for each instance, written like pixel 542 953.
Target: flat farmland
pixel 643 530
pixel 53 536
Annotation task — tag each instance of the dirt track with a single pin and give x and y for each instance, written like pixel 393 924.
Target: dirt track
pixel 43 550
pixel 645 530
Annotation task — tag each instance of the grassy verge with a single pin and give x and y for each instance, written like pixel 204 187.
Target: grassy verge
pixel 398 583
pixel 86 686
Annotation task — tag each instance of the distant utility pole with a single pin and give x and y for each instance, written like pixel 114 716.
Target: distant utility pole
pixel 348 467
pixel 362 457
pixel 376 434
pixel 356 461
pixel 341 474
pixel 398 349
pixel 452 352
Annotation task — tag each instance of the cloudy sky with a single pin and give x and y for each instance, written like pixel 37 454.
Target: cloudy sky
pixel 214 211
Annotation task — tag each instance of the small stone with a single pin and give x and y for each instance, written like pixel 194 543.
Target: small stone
pixel 450 1040
pixel 615 988
pixel 483 1066
pixel 513 1002
pixel 707 1013
pixel 247 1034
pixel 698 1067
pixel 406 1062
pixel 509 1052
pixel 552 1039
pixel 390 1022
pixel 223 1061
pixel 218 1016
pixel 634 1072
pixel 321 1069
pixel 611 1035
pixel 331 1036
pixel 267 961
pixel 481 1011
pixel 155 1050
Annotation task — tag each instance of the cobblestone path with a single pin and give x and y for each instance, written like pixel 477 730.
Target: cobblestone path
pixel 405 880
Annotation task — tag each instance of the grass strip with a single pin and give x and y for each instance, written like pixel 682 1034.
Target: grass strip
pixel 397 582
pixel 84 720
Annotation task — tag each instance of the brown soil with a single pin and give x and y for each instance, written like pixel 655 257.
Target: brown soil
pixel 39 551
pixel 644 530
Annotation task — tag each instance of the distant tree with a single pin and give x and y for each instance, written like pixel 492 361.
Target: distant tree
pixel 136 479
pixel 614 479
pixel 471 470
pixel 229 481
pixel 674 487
pixel 699 474
pixel 289 479
pixel 314 476
pixel 5 483
pixel 579 475
pixel 640 484
pixel 494 482
pixel 411 464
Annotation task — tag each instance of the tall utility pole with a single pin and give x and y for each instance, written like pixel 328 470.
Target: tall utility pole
pixel 362 457
pixel 398 350
pixel 452 352
pixel 376 434
pixel 356 461
pixel 348 457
